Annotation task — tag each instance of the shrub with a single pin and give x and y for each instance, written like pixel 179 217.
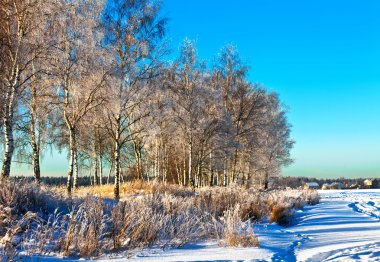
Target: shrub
pixel 311 197
pixel 236 233
pixel 281 214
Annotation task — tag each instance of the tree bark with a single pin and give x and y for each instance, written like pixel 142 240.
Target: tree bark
pixel 100 168
pixel 9 147
pixel 95 162
pixel 117 161
pixel 157 161
pixel 225 173
pixel 191 178
pixel 234 173
pixel 165 166
pixel 211 182
pixel 36 162
pixel 184 182
pixel 8 125
pixel 266 180
pixel 199 174
pixel 33 135
pixel 75 182
pixel 69 183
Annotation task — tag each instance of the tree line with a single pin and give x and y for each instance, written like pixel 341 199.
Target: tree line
pixel 92 78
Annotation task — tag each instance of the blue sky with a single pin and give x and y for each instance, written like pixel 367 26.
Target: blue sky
pixel 321 56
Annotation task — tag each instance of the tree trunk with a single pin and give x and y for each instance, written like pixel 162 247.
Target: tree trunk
pixel 9 103
pixel 178 170
pixel 117 161
pixel 75 182
pixel 165 167
pixel 199 174
pixel 225 175
pixel 266 180
pixel 69 183
pixel 33 136
pixel 100 169
pixel 8 126
pixel 95 163
pixel 36 162
pixel 156 162
pixel 137 152
pixel 211 182
pixel 234 173
pixel 184 182
pixel 73 164
pixel 95 166
pixel 191 178
pixel 9 147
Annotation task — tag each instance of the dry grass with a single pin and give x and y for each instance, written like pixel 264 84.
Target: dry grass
pixel 236 232
pixel 40 219
pixel 136 187
pixel 281 214
pixel 107 191
pixel 161 220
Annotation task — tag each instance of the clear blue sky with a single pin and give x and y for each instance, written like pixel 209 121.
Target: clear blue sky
pixel 321 56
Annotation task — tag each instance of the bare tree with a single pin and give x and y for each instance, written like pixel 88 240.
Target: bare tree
pixel 276 142
pixel 133 37
pixel 89 76
pixel 186 84
pixel 18 22
pixel 78 69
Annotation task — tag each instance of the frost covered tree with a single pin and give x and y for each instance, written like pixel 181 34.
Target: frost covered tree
pixel 186 83
pixel 19 50
pixel 275 141
pixel 230 74
pixel 133 34
pixel 89 77
pixel 78 69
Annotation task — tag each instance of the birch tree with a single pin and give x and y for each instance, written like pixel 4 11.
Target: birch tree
pixel 186 85
pixel 40 95
pixel 18 22
pixel 276 142
pixel 78 69
pixel 133 38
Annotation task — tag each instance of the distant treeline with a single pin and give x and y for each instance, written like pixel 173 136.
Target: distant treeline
pixel 279 182
pixel 295 182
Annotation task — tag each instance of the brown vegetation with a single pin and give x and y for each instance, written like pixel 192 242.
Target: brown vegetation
pixel 39 219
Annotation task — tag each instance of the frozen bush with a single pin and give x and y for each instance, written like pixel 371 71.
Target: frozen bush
pixel 236 233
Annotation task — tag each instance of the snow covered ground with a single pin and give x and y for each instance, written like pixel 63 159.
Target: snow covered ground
pixel 345 226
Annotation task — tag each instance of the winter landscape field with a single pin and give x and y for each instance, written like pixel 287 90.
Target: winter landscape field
pixel 167 130
pixel 343 226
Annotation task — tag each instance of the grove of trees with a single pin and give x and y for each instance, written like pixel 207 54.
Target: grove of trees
pixel 91 78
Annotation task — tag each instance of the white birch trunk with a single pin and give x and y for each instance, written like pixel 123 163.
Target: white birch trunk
pixel 191 178
pixel 69 184
pixel 117 161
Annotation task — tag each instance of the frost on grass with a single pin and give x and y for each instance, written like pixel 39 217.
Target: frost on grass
pixel 35 220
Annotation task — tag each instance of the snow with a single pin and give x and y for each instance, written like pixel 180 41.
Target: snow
pixel 345 226
pixel 312 184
